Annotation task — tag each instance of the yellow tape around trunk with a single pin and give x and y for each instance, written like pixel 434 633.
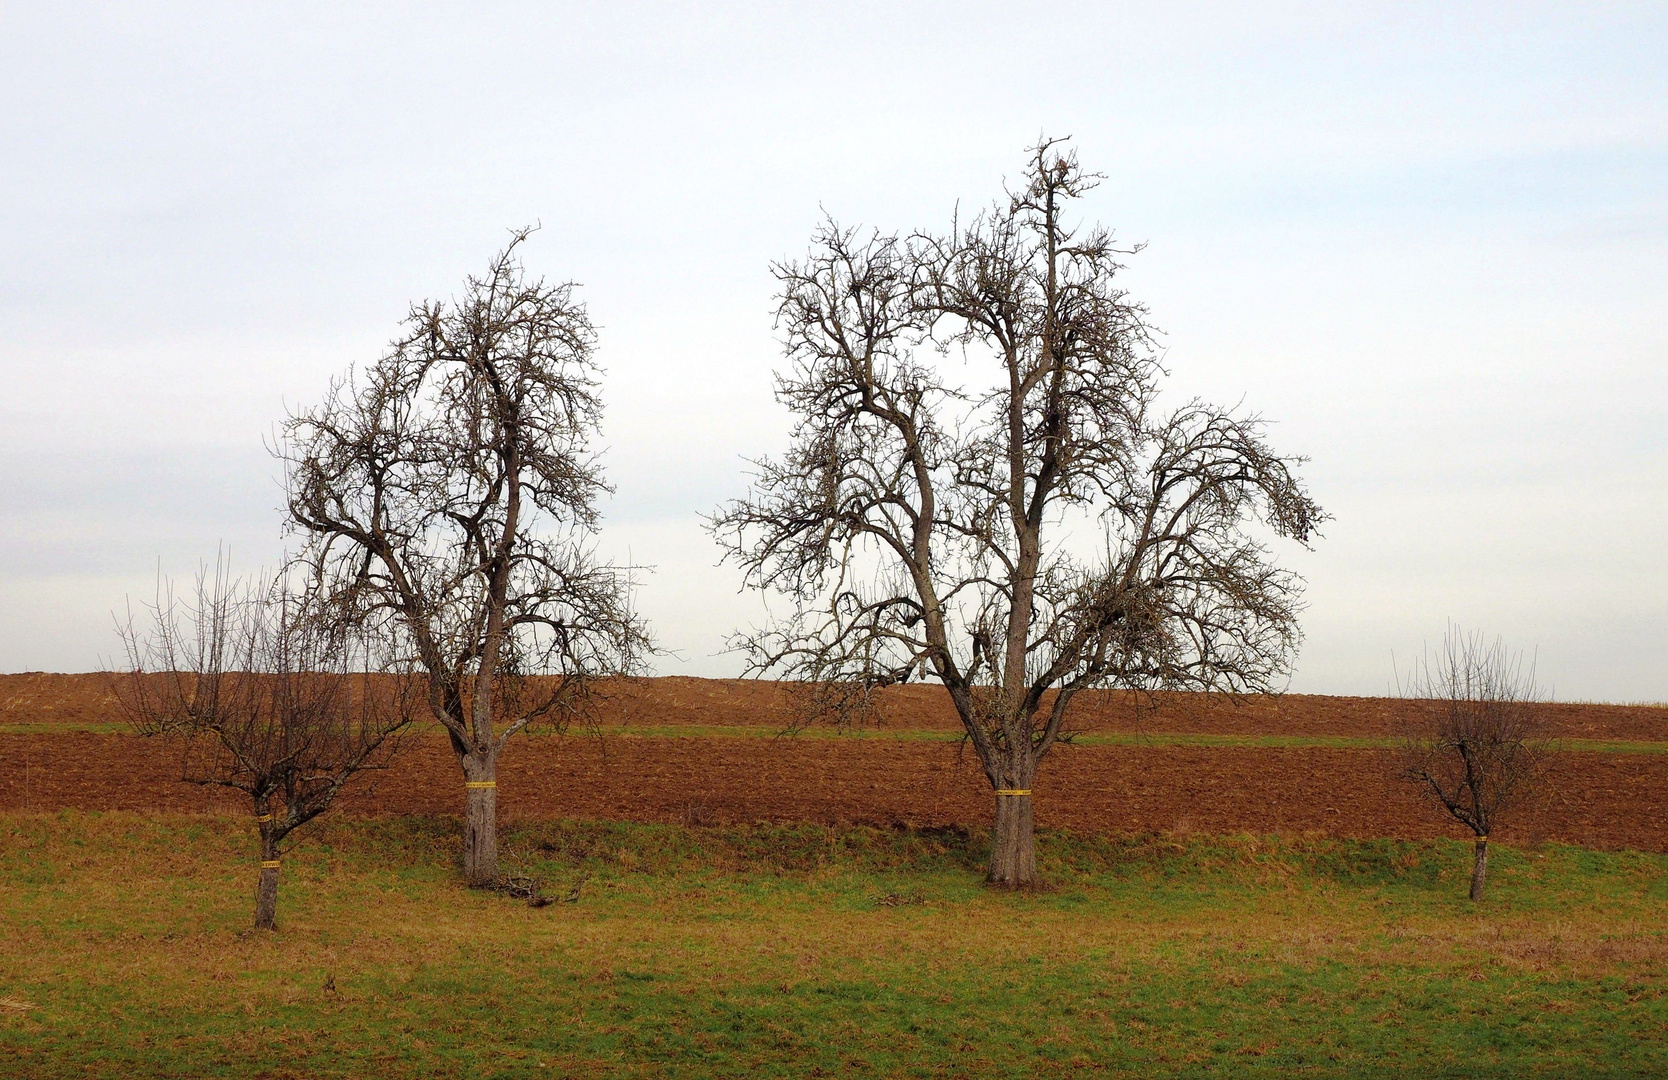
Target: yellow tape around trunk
pixel 1013 791
pixel 480 783
pixel 263 817
pixel 269 864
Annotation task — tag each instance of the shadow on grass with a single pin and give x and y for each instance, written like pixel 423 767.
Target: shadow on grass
pixel 1065 859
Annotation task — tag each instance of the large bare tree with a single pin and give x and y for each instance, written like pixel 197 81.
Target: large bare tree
pixel 265 697
pixel 449 492
pixel 1022 533
pixel 1475 743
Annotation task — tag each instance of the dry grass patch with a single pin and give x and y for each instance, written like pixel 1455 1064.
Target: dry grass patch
pixel 764 951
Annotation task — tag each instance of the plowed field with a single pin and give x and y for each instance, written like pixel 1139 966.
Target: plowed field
pixel 71 700
pixel 1595 799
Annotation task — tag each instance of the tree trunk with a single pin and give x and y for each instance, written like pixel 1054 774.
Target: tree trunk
pixel 1479 869
pixel 266 888
pixel 480 819
pixel 1013 846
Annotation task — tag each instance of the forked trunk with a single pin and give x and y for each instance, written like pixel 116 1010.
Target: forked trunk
pixel 480 819
pixel 1013 845
pixel 266 887
pixel 1479 869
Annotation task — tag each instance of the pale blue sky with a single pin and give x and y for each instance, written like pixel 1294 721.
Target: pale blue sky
pixel 1431 243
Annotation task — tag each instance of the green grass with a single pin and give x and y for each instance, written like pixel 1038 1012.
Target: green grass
pixel 799 951
pixel 54 727
pixel 1088 738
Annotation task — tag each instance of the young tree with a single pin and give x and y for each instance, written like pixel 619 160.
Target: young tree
pixel 1023 536
pixel 264 698
pixel 1475 742
pixel 448 492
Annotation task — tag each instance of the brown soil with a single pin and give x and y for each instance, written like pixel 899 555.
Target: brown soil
pixel 1598 800
pixel 1604 800
pixel 36 698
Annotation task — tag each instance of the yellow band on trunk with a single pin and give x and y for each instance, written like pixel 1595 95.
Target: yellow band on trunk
pixel 263 817
pixel 269 864
pixel 1013 791
pixel 480 783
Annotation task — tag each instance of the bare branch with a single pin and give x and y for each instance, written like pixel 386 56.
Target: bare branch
pixel 1475 744
pixel 266 693
pixel 919 526
pixel 448 494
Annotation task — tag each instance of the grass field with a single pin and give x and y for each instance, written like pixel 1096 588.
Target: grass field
pixel 795 951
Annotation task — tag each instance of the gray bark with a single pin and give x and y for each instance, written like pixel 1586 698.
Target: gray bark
pixel 266 888
pixel 1479 869
pixel 1013 847
pixel 480 830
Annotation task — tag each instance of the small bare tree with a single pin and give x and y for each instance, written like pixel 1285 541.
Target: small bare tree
pixel 1475 743
pixel 448 493
pixel 265 698
pixel 1021 536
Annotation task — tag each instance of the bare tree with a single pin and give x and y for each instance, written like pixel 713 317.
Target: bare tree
pixel 449 492
pixel 264 698
pixel 1023 535
pixel 1475 743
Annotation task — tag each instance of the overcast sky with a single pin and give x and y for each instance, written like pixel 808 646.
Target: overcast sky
pixel 1431 244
